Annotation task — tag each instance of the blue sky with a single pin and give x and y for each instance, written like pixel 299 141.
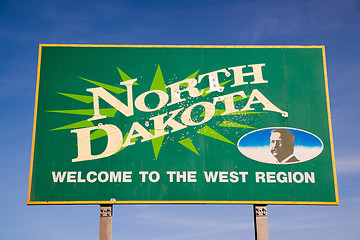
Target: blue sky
pixel 25 24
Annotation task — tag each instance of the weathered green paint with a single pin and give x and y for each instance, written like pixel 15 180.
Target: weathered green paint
pixel 296 83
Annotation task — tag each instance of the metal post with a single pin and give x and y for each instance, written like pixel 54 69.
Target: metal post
pixel 261 222
pixel 106 212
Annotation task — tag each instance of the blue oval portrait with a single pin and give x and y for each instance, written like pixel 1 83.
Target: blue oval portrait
pixel 279 145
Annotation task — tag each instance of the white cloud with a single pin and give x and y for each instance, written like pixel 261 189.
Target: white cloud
pixel 348 165
pixel 180 223
pixel 169 218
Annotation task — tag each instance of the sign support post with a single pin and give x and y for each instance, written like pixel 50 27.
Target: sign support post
pixel 261 222
pixel 106 212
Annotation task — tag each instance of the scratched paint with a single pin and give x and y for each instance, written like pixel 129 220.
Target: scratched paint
pixel 162 125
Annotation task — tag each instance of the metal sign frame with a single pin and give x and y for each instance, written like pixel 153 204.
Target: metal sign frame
pixel 114 201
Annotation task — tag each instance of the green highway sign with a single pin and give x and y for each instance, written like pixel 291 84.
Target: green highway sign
pixel 182 124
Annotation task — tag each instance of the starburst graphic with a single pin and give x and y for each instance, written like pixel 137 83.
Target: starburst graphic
pixel 158 83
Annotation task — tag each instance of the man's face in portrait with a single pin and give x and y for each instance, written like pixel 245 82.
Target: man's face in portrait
pixel 276 144
pixel 280 146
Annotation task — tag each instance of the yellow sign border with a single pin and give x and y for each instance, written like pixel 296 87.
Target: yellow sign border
pixel 29 202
